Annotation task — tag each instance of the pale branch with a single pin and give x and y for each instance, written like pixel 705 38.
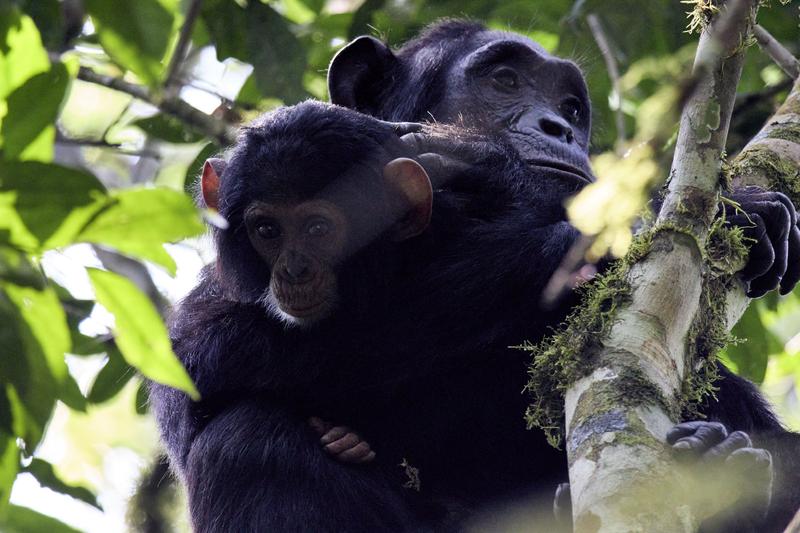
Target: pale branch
pixel 770 160
pixel 794 527
pixel 622 476
pixel 181 48
pixel 779 54
pixel 218 130
pixel 613 73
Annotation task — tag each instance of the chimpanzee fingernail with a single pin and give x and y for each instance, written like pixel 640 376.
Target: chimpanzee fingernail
pixel 681 445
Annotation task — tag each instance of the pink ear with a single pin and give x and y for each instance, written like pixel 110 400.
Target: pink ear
pixel 209 183
pixel 410 180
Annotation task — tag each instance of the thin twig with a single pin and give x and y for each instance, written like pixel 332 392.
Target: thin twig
pixel 779 54
pixel 219 130
pixel 613 73
pixel 184 40
pixel 100 143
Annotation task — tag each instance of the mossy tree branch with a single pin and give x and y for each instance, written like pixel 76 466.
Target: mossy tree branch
pixel 617 415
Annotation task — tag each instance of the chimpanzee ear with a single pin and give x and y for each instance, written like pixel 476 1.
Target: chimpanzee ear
pixel 407 177
pixel 209 183
pixel 356 71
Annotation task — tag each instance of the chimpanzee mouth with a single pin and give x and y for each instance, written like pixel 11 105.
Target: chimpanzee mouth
pixel 304 310
pixel 573 171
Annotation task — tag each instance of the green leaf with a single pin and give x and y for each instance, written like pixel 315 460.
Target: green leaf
pixel 25 520
pixel 17 268
pixel 47 323
pixel 46 476
pixel 140 221
pixel 54 202
pixel 167 129
pixel 135 34
pixel 31 390
pixel 48 18
pixel 263 39
pixel 111 379
pixel 141 336
pixel 752 355
pixel 9 465
pixel 71 395
pixel 142 399
pixel 32 111
pixel 21 53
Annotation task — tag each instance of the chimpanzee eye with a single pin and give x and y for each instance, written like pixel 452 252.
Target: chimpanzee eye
pixel 268 230
pixel 318 227
pixel 505 77
pixel 571 109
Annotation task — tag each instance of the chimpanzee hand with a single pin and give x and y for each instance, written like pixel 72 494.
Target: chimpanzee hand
pixel 770 220
pixel 341 442
pixel 729 456
pixel 446 156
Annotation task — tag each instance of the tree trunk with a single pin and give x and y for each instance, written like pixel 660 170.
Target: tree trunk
pixel 622 475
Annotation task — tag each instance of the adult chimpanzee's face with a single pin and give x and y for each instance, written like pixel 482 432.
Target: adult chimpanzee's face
pixel 461 73
pixel 509 83
pixel 302 245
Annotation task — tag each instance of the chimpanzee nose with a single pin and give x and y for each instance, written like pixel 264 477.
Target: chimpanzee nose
pixel 558 128
pixel 297 268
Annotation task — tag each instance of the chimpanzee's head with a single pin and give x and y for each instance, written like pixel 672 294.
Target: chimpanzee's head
pixel 461 72
pixel 305 190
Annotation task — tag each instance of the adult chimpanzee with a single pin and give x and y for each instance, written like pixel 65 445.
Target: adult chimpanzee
pixel 458 71
pixel 339 291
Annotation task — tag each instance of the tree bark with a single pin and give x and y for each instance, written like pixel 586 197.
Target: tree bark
pixel 622 475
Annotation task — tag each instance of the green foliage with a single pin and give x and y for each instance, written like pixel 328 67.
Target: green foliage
pixel 136 35
pixel 140 333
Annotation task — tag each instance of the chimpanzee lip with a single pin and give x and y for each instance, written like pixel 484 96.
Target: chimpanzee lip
pixel 563 167
pixel 305 310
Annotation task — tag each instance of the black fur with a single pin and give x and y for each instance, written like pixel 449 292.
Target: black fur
pixel 425 80
pixel 415 357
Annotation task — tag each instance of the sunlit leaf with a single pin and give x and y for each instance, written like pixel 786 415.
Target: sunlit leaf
pixel 9 464
pixel 54 202
pixel 48 18
pixel 140 221
pixel 32 111
pixel 46 476
pixel 47 323
pixel 18 269
pixel 137 36
pixel 22 54
pixel 25 520
pixel 141 336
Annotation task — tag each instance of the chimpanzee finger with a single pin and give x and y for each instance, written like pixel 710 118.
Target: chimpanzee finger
pixel 350 440
pixel 707 435
pixel 684 429
pixel 761 254
pixel 334 433
pixel 360 453
pixel 562 505
pixel 792 274
pixel 778 224
pixel 402 128
pixel 440 168
pixel 469 150
pixel 734 441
